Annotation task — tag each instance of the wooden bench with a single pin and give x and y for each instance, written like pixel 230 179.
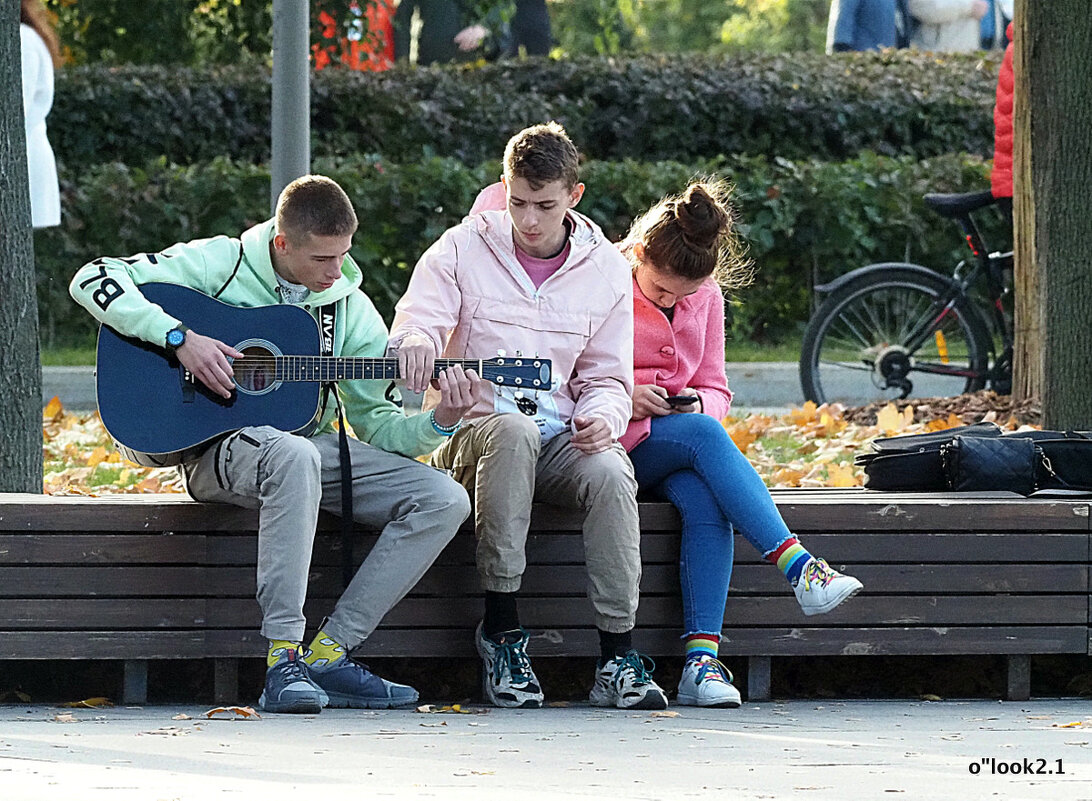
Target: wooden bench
pixel 138 578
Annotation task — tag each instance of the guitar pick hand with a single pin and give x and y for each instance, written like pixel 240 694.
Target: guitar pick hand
pixel 458 393
pixel 207 359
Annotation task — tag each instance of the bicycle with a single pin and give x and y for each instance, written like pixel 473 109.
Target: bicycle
pixel 896 323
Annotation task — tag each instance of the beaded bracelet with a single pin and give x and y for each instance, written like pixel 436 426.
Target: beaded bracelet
pixel 445 431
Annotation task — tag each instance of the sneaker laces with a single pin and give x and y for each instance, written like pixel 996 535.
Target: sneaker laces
pixel 712 669
pixel 291 669
pixel 633 664
pixel 818 572
pixel 511 657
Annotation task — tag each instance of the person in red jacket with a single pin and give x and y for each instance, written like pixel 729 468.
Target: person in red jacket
pixel 1001 177
pixel 682 251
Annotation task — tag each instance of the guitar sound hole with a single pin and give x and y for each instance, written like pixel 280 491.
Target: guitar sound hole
pixel 256 372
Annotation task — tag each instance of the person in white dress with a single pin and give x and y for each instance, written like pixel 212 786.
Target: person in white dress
pixel 40 54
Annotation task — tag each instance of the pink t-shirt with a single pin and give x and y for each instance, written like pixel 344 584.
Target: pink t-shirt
pixel 538 270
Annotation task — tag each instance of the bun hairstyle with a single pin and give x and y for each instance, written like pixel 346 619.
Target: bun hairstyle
pixel 693 236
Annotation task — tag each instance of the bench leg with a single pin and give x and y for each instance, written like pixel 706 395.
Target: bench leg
pixel 135 682
pixel 1018 684
pixel 758 678
pixel 225 681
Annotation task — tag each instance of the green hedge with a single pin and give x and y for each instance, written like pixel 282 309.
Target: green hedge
pixel 805 221
pixel 682 108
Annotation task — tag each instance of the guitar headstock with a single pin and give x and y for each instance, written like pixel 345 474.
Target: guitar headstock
pixel 518 371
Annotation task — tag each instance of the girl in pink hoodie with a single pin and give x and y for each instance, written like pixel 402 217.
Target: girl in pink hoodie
pixel 682 252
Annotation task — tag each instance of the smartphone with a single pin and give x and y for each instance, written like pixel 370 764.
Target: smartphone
pixel 681 400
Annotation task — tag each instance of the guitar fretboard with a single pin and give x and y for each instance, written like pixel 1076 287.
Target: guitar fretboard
pixel 338 368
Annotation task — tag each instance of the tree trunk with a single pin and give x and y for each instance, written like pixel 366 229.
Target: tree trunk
pixel 21 406
pixel 1058 38
pixel 1028 349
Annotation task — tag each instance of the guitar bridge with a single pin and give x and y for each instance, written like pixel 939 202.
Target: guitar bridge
pixel 185 378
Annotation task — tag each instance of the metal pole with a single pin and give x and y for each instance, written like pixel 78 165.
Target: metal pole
pixel 291 94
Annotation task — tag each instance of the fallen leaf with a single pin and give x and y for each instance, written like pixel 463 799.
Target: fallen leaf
pixel 1076 724
pixel 93 703
pixel 238 711
pixel 666 713
pixel 53 410
pixel 65 717
pixel 433 725
pixel 181 716
pixel 931 697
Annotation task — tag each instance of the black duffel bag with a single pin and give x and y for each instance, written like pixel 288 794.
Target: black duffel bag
pixel 979 458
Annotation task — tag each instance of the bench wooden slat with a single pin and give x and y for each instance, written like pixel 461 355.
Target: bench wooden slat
pixel 542 548
pixel 854 510
pixel 657 642
pixel 448 581
pixel 871 611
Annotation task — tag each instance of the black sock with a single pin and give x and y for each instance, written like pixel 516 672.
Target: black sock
pixel 500 613
pixel 612 645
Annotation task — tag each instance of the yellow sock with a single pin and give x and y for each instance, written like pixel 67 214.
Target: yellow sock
pixel 277 649
pixel 323 651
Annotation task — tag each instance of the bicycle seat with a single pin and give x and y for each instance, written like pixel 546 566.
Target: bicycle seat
pixel 959 205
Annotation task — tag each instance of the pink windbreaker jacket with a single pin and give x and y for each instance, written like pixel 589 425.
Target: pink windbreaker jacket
pixel 470 295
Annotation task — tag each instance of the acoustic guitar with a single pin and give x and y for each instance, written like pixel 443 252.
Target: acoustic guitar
pixel 160 415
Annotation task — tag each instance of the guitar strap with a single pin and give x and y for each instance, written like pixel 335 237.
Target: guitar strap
pixel 327 315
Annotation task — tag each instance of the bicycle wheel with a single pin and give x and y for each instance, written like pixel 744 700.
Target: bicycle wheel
pixel 887 335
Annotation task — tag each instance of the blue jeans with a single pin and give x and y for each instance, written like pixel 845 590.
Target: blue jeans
pixel 690 460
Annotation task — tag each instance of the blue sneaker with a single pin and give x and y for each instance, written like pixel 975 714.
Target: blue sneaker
pixel 289 689
pixel 350 684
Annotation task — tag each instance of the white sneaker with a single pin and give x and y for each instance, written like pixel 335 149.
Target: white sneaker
pixel 706 682
pixel 821 588
pixel 625 682
pixel 507 677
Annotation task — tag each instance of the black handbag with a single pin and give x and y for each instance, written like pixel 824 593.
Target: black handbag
pixel 914 462
pixel 981 464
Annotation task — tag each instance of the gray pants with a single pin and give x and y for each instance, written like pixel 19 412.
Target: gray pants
pixel 288 479
pixel 499 458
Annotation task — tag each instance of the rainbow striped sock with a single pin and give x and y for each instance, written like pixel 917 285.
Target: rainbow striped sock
pixel 790 558
pixel 698 645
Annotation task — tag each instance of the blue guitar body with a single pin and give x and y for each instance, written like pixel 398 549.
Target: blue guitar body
pixel 159 415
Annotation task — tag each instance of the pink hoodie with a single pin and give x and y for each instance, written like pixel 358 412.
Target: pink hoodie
pixel 687 351
pixel 471 297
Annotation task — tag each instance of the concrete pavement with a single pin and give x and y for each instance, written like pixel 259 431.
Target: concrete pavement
pixel 799 749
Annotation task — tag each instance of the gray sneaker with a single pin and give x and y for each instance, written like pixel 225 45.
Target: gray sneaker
pixel 821 588
pixel 626 682
pixel 507 677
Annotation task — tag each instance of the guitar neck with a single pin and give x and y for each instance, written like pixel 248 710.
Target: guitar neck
pixel 339 368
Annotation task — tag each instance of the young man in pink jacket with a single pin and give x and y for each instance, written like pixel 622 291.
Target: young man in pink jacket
pixel 538 279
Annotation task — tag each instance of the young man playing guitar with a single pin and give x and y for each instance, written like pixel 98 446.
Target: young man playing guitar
pixel 542 280
pixel 301 257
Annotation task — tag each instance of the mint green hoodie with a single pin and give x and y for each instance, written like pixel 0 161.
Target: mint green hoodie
pixel 242 269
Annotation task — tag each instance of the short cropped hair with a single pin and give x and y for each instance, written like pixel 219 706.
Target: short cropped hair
pixel 542 154
pixel 315 205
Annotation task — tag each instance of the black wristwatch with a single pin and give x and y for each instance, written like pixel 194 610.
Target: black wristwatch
pixel 176 337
